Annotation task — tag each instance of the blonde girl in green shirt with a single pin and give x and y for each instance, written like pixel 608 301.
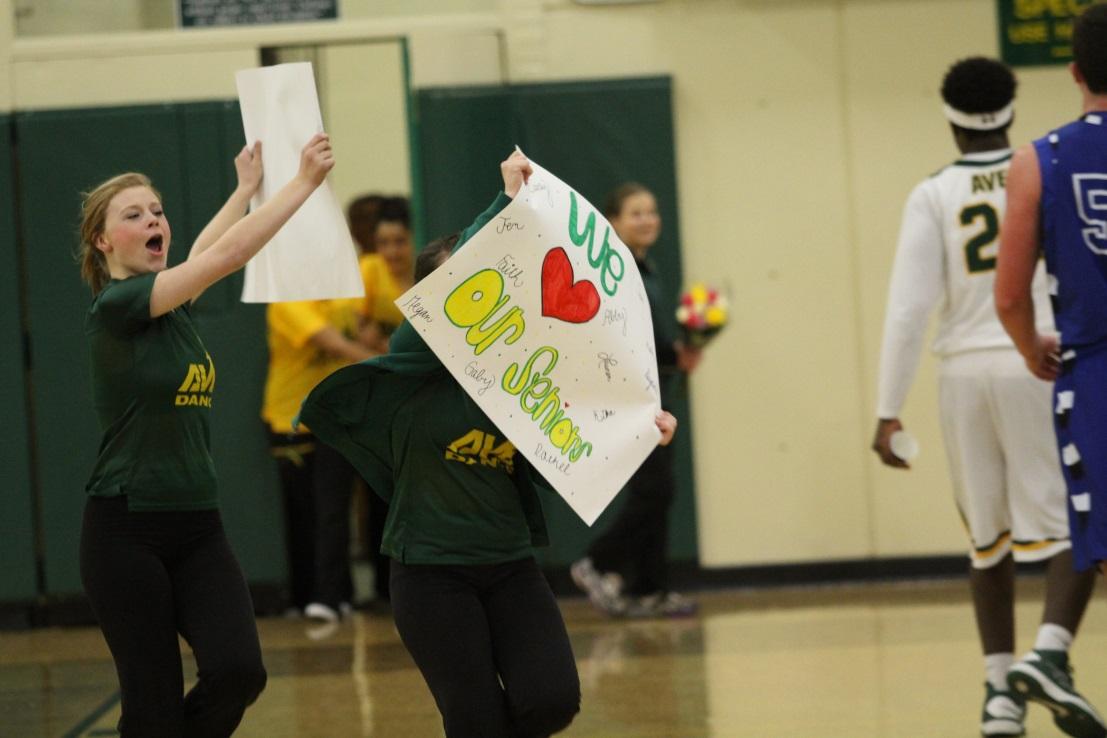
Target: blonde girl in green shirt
pixel 155 561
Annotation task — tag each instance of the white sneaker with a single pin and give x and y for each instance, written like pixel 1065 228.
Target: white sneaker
pixel 603 590
pixel 661 605
pixel 1003 713
pixel 322 613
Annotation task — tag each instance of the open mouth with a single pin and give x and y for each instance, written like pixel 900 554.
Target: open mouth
pixel 154 245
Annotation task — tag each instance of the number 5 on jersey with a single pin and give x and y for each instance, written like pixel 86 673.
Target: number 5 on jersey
pixel 1091 205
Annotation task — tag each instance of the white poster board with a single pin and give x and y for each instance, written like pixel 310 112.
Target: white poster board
pixel 312 257
pixel 543 319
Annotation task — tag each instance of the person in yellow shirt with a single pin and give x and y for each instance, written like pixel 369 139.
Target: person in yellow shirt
pixel 308 341
pixel 361 216
pixel 388 272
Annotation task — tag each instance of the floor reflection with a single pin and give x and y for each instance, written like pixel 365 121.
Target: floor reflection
pixel 886 661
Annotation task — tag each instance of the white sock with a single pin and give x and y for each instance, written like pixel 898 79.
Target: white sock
pixel 996 666
pixel 1052 637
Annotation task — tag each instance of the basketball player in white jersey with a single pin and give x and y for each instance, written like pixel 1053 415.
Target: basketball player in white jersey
pixel 996 419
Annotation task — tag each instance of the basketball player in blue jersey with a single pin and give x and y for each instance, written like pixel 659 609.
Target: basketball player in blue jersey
pixel 1007 483
pixel 1057 205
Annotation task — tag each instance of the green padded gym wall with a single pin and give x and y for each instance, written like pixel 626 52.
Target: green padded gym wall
pixel 594 135
pixel 17 584
pixel 187 151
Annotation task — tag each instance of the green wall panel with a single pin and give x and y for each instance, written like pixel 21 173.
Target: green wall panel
pixel 235 334
pixel 462 135
pixel 594 135
pixel 187 151
pixel 17 574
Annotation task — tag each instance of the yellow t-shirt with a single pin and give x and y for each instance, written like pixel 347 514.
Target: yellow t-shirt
pixel 296 366
pixel 380 291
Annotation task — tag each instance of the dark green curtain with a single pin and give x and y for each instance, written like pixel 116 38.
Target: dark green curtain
pixel 16 522
pixel 187 150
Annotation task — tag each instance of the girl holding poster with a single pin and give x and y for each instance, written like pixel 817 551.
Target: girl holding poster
pixel 470 603
pixel 155 561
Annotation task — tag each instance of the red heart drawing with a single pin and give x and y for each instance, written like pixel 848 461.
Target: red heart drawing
pixel 562 298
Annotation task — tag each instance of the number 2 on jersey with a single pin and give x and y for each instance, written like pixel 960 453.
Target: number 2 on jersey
pixel 976 260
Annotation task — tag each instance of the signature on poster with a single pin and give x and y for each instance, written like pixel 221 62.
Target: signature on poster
pixel 536 187
pixel 476 372
pixel 414 308
pixel 612 316
pixel 510 268
pixel 551 460
pixel 606 362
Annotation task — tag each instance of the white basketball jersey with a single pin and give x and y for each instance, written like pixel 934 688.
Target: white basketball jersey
pixel 946 258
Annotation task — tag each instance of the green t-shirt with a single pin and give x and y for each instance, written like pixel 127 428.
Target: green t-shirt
pixel 422 444
pixel 152 384
pixel 455 499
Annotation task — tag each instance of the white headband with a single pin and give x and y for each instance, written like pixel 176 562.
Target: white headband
pixel 981 121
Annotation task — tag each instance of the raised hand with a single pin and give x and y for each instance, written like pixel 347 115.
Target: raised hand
pixel 316 159
pixel 247 165
pixel 516 170
pixel 666 423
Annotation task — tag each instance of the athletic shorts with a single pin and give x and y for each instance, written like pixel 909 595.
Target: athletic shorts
pixel 1080 419
pixel 1007 483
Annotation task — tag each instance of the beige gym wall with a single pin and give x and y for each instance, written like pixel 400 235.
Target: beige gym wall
pixel 801 127
pixel 7 36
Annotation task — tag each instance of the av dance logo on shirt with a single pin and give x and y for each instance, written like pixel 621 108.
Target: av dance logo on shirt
pixel 476 446
pixel 197 386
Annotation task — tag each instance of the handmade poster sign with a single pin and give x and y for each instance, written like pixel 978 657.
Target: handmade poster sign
pixel 312 257
pixel 543 319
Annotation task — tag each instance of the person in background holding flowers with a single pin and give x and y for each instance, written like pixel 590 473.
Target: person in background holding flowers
pixel 625 571
pixel 701 315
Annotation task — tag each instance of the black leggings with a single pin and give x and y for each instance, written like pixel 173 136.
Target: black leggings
pixel 636 544
pixel 332 483
pixel 150 576
pixel 295 456
pixel 469 628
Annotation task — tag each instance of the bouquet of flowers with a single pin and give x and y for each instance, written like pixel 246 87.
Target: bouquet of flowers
pixel 702 313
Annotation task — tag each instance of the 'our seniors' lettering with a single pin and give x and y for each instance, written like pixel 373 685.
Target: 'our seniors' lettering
pixel 471 305
pixel 474 301
pixel 545 408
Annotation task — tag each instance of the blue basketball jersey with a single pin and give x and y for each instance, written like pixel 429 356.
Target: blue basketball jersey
pixel 1073 165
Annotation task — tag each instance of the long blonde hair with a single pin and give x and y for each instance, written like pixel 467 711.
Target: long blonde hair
pixel 94 215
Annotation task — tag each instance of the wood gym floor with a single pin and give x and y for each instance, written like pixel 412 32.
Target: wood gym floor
pixel 859 661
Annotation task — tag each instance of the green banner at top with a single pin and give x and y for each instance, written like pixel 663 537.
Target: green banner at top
pixel 1037 32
